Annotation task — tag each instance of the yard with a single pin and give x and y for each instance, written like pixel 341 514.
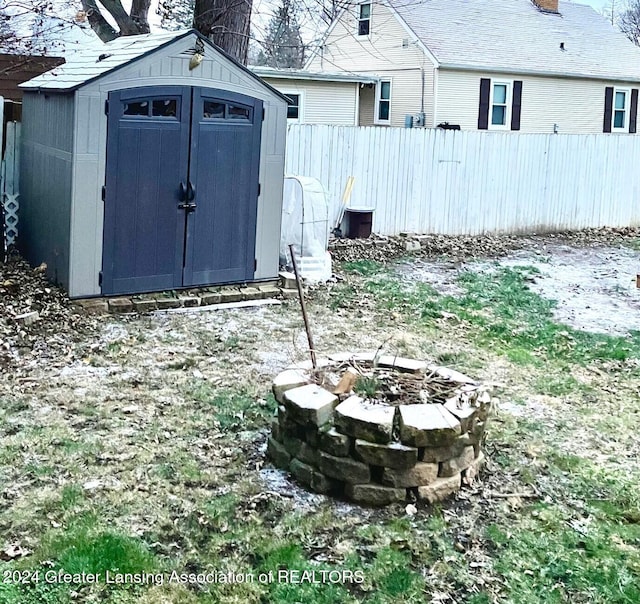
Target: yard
pixel 135 444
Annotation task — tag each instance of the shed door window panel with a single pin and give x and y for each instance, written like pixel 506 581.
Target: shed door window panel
pixel 151 107
pixel 383 113
pixel 364 20
pixel 217 110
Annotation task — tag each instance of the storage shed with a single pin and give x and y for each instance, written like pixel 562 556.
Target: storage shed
pixel 153 162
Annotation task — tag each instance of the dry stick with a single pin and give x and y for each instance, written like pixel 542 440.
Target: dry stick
pixel 312 348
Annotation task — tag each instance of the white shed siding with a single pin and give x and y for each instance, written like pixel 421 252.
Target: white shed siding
pixel 322 102
pixel 575 105
pixel 381 54
pixel 168 65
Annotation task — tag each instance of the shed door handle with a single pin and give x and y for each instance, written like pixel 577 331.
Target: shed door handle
pixel 183 192
pixel 191 192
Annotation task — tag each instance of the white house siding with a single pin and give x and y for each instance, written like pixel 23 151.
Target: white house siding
pixel 575 105
pixel 90 152
pixel 323 102
pixel 381 54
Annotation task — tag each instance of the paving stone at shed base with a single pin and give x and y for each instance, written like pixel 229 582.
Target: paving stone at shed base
pixel 145 305
pixel 344 469
pixel 454 466
pixel 373 494
pixel 268 291
pixel 440 489
pixel 164 303
pixel 230 295
pixel 287 380
pixel 334 443
pixel 393 455
pixel 325 485
pixel 278 454
pixel 120 305
pixel 368 421
pixel 189 301
pixel 421 474
pixel 95 307
pixel 250 293
pixel 310 404
pixel 302 471
pixel 210 298
pixel 428 425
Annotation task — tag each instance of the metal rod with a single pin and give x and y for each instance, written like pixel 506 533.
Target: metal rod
pixel 312 348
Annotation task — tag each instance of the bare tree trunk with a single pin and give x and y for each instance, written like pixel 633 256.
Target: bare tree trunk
pixel 226 24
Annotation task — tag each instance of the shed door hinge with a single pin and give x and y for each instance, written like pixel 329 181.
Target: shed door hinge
pixel 255 265
pixel 263 114
pixel 100 278
pixel 104 193
pixel 259 189
pixel 106 107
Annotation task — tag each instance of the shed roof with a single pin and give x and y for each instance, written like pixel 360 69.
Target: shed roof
pixel 516 36
pixel 98 60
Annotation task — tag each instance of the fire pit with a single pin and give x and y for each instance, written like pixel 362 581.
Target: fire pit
pixel 379 429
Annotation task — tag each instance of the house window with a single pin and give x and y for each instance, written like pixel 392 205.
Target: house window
pixel 383 103
pixel 620 109
pixel 500 102
pixel 293 107
pixel 364 20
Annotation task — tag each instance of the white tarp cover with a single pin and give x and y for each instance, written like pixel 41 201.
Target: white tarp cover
pixel 305 224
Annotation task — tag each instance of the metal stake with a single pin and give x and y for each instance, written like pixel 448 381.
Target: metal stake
pixel 312 348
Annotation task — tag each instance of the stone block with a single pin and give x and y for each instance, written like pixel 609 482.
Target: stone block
pixel 291 444
pixel 145 305
pixel 469 475
pixel 465 412
pixel 457 464
pixel 286 380
pixel 393 455
pixel 230 295
pixel 164 303
pixel 362 419
pixel 120 305
pixel 359 357
pixel 310 404
pixel 343 468
pixel 323 484
pixel 402 364
pixel 440 489
pixel 269 291
pixel 451 374
pixel 308 454
pixel 278 454
pixel 250 293
pixel 288 425
pixel 412 246
pixel 27 318
pixel 189 301
pixel 373 494
pixel 276 432
pixel 312 436
pixel 429 425
pixel 289 294
pixel 302 471
pixel 287 280
pixel 421 474
pixel 334 443
pixel 95 307
pixel 306 365
pixel 210 298
pixel 437 454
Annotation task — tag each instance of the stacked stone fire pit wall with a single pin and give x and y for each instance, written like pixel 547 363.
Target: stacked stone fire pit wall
pixel 373 453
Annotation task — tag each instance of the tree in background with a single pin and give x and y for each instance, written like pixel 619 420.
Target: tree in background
pixel 629 21
pixel 283 46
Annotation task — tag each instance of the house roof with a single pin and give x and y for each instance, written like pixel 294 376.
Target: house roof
pixel 515 36
pixel 301 74
pixel 99 59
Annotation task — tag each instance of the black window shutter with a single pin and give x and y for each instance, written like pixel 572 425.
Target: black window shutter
pixel 608 107
pixel 516 105
pixel 483 110
pixel 633 115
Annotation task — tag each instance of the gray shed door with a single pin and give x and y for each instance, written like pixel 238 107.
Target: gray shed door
pixel 181 188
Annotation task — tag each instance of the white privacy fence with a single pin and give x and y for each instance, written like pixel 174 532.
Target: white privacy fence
pixel 457 182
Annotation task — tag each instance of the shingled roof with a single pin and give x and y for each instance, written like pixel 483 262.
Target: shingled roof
pixel 515 36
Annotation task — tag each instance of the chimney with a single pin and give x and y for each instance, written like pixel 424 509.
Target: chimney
pixel 548 6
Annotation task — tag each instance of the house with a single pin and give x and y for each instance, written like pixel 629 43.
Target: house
pixel 318 98
pixel 152 162
pixel 510 65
